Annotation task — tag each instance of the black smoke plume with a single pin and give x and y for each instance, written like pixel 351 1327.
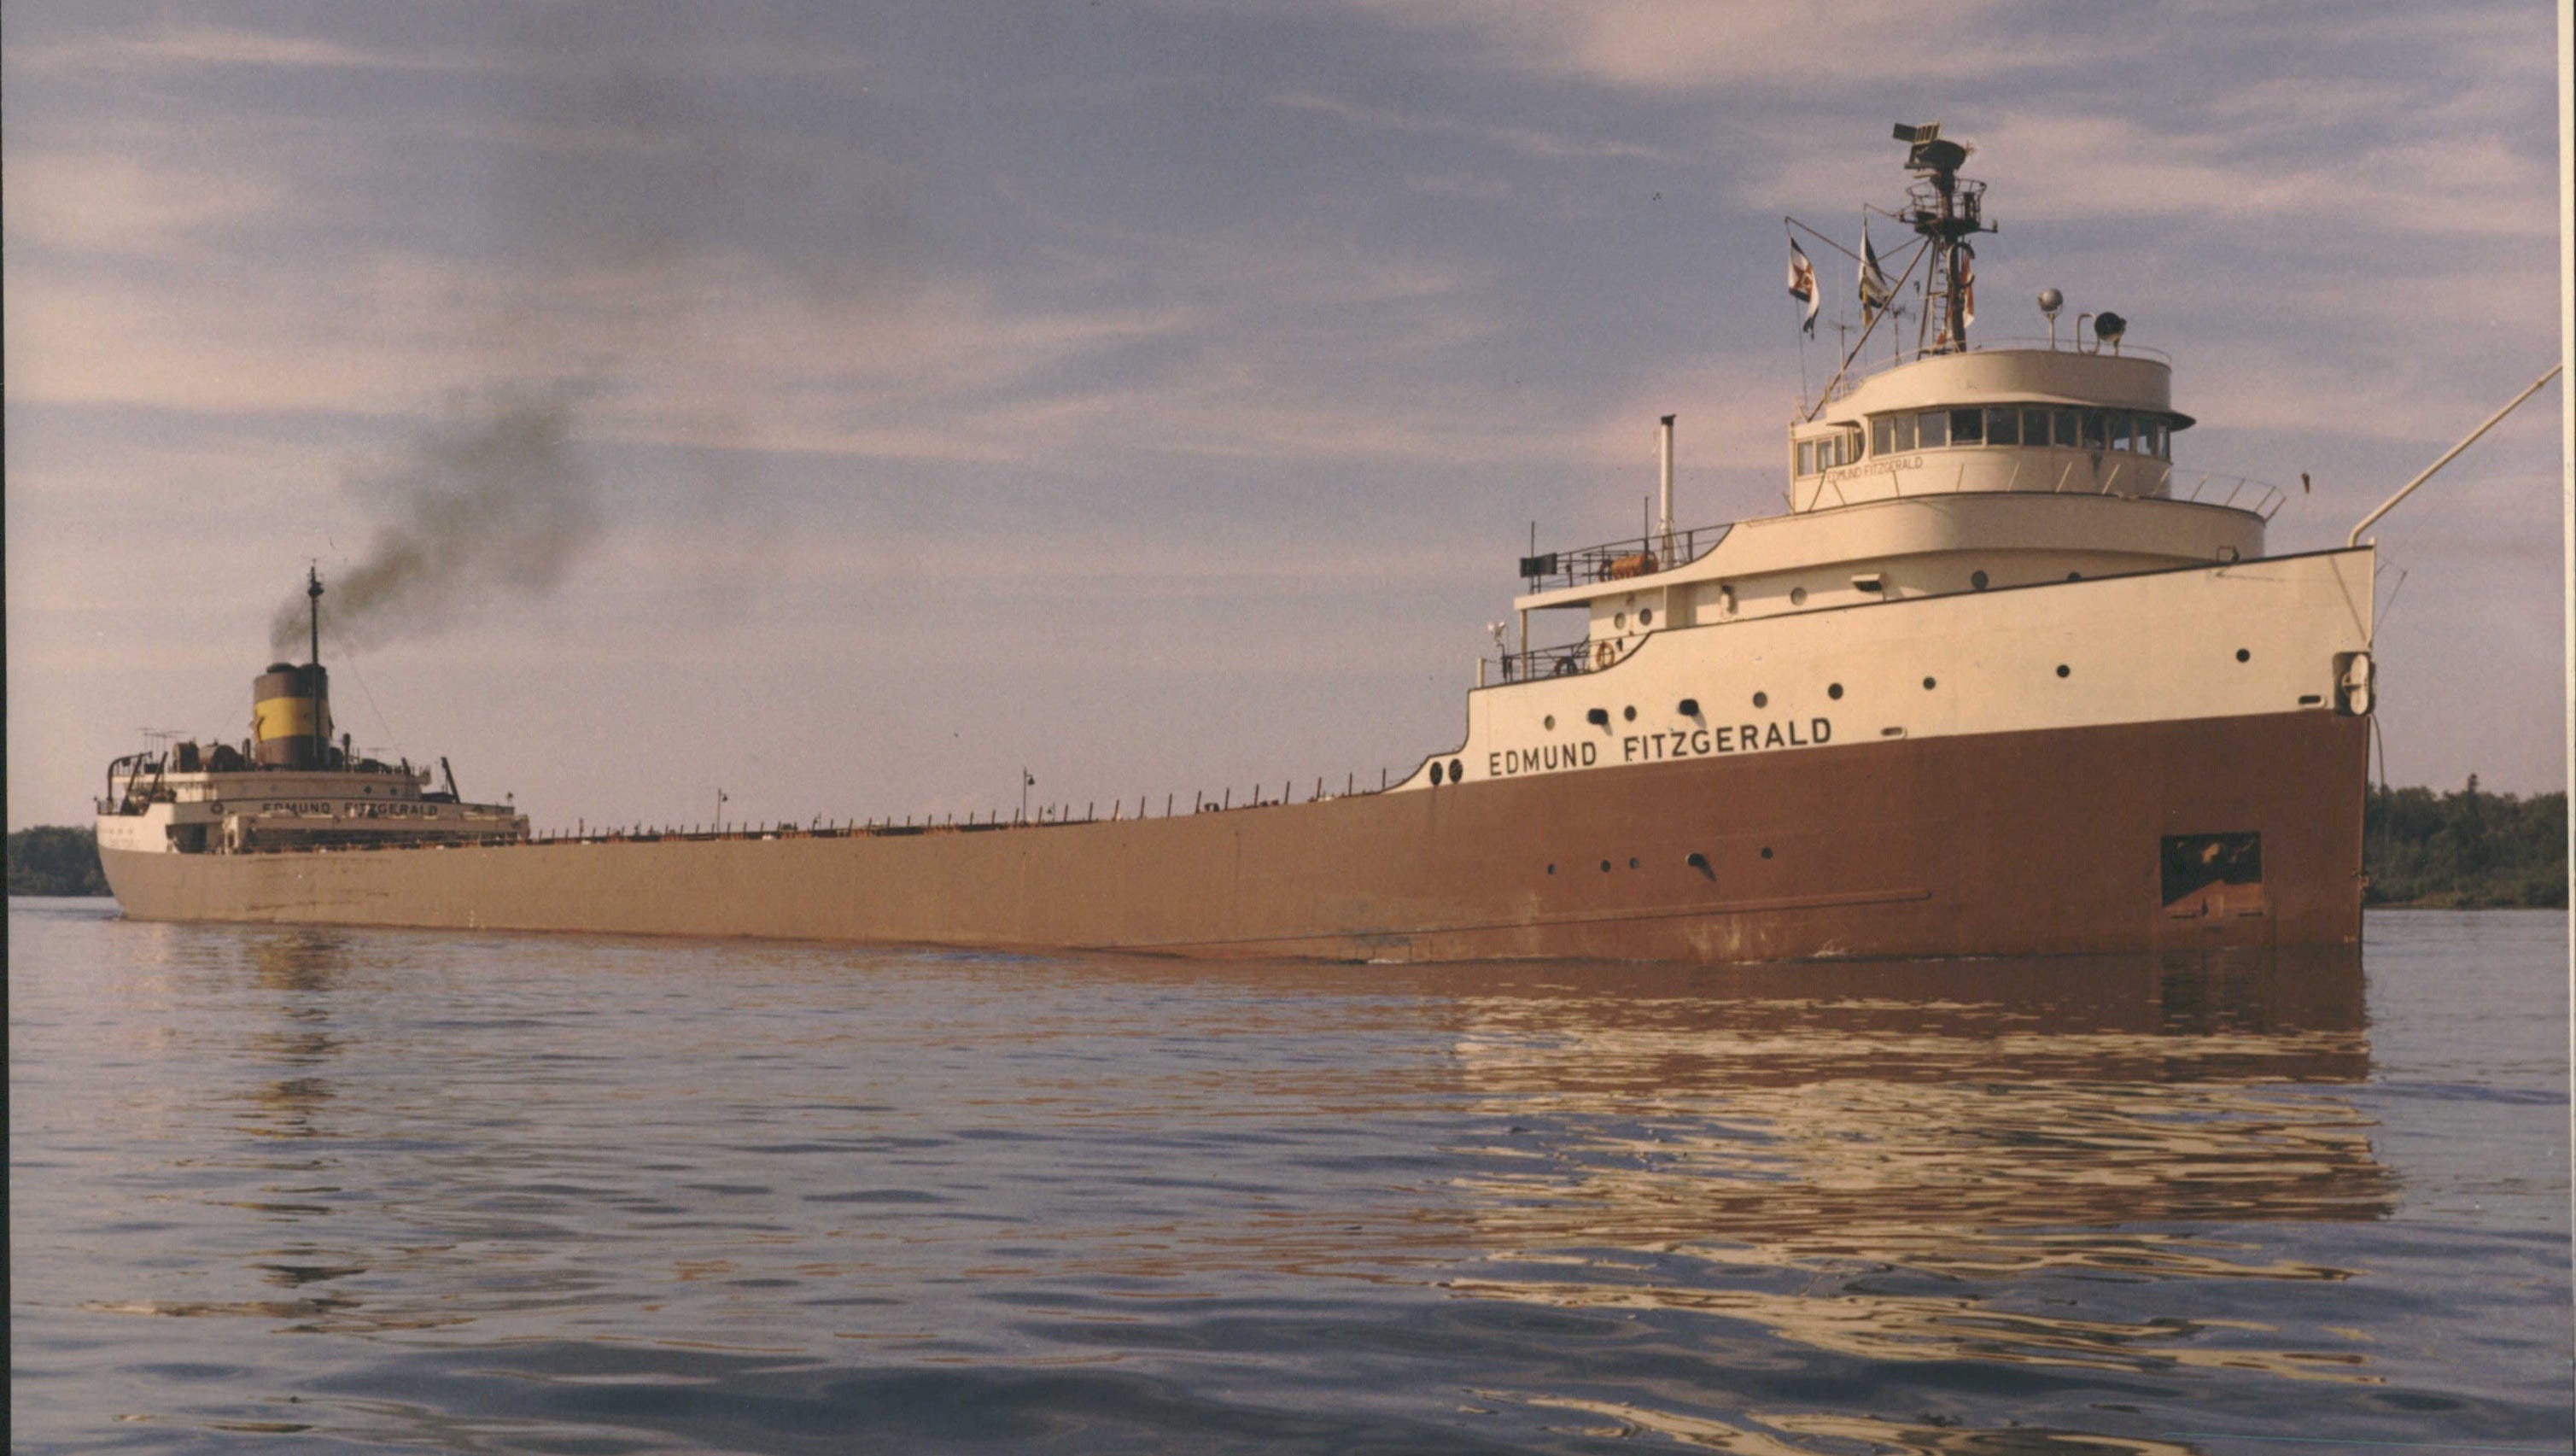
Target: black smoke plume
pixel 493 502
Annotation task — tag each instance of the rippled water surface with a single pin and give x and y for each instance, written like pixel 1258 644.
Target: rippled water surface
pixel 276 1189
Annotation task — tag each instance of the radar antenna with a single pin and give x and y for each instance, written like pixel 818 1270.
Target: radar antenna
pixel 1946 209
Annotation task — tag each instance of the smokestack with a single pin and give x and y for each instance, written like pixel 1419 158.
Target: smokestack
pixel 1664 526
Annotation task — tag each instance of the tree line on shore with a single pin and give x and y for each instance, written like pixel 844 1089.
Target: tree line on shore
pixel 2468 850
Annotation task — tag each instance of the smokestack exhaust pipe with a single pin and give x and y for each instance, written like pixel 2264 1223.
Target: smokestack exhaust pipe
pixel 1664 521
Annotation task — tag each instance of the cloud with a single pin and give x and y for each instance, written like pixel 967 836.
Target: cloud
pixel 1238 360
pixel 1453 184
pixel 1668 46
pixel 1522 141
pixel 2088 168
pixel 105 203
pixel 179 48
pixel 207 47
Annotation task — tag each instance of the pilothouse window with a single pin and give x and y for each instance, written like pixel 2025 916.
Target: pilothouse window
pixel 2010 425
pixel 1841 448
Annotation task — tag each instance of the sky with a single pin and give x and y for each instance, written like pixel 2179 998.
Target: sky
pixel 848 407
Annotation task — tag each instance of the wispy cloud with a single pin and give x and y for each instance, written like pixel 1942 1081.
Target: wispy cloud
pixel 1685 45
pixel 192 47
pixel 105 203
pixel 1521 140
pixel 178 48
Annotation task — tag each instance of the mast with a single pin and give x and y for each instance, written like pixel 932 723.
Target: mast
pixel 321 695
pixel 1946 209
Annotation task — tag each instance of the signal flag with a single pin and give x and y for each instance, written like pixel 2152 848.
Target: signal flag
pixel 1802 284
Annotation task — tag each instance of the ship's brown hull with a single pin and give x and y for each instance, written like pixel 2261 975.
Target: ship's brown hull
pixel 2038 843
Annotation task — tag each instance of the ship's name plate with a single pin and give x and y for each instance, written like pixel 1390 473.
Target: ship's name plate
pixel 1653 747
pixel 328 809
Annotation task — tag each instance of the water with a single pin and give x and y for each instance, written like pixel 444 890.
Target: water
pixel 282 1189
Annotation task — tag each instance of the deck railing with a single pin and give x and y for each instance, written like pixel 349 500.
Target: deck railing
pixel 1621 559
pixel 1877 360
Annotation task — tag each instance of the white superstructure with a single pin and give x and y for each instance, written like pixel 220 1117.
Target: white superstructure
pixel 154 806
pixel 1978 540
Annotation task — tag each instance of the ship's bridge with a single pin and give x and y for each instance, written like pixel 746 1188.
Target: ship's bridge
pixel 2011 419
pixel 1952 471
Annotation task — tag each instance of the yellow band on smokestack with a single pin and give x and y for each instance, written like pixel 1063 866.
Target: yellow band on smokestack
pixel 290 717
pixel 282 718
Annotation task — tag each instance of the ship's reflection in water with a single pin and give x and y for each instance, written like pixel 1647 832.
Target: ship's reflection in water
pixel 1872 1160
pixel 521 1191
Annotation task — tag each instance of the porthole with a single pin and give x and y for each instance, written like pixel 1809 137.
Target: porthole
pixel 1629 712
pixel 2062 669
pixel 1834 691
pixel 1632 862
pixel 1797 596
pixel 1605 867
pixel 1766 851
pixel 1930 683
pixel 1619 620
pixel 1688 707
pixel 2244 656
pixel 1646 617
pixel 1977 579
pixel 1551 869
pixel 1457 773
pixel 1762 700
pixel 2074 576
pixel 1435 776
pixel 1548 722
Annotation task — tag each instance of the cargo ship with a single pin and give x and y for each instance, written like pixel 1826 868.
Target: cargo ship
pixel 1999 681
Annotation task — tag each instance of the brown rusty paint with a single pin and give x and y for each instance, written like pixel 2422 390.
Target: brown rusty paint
pixel 2036 843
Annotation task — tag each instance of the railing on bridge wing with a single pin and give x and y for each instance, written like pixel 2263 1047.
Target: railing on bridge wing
pixel 1560 661
pixel 1619 560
